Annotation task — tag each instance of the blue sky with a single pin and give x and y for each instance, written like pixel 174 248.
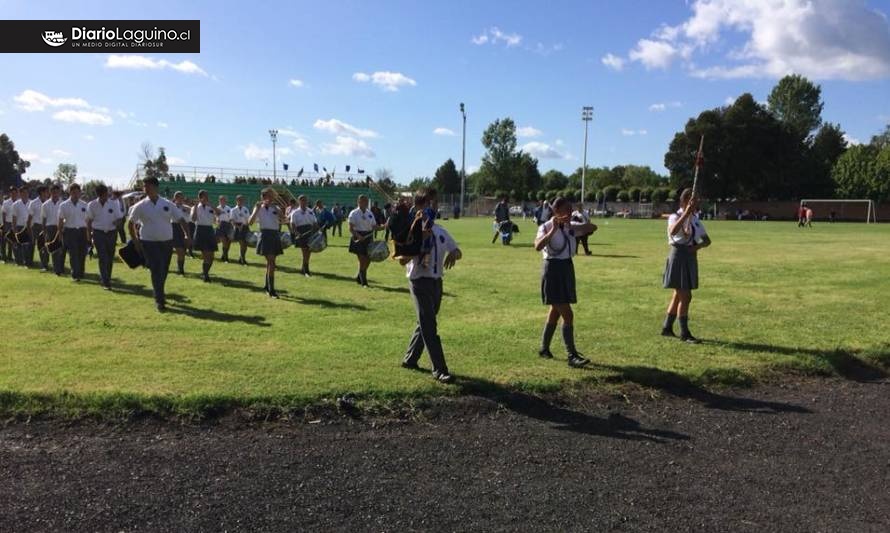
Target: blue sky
pixel 375 80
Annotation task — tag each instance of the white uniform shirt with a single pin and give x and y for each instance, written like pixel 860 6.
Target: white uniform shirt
pixel 240 215
pixel 269 217
pixel 562 244
pixel 443 244
pixel 302 217
pixel 155 219
pixel 104 217
pixel 581 216
pixel 362 221
pixel 49 212
pixel 75 215
pixel 698 230
pixel 184 213
pixel 7 210
pixel 225 213
pixel 34 207
pixel 20 213
pixel 206 214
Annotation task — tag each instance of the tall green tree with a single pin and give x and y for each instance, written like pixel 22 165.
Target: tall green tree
pixel 499 164
pixel 827 146
pixel 797 103
pixel 857 173
pixel 12 166
pixel 448 178
pixel 89 188
pixel 154 166
pixel 553 180
pixel 528 177
pixel 882 139
pixel 66 173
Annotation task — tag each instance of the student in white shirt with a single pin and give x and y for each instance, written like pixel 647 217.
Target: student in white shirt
pixel 6 241
pixel 580 216
pixel 224 231
pixel 37 235
pixel 154 238
pixel 303 226
pixel 240 216
pixel 269 246
pixel 20 224
pixel 180 236
pixel 103 215
pixel 203 215
pixel 73 222
pixel 686 235
pixel 425 279
pixel 49 216
pixel 556 241
pixel 361 229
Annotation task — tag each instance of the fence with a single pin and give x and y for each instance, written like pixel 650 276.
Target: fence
pixel 205 174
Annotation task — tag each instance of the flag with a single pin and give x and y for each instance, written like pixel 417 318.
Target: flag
pixel 285 166
pixel 324 168
pixel 360 171
pixel 316 166
pixel 347 168
pixel 300 173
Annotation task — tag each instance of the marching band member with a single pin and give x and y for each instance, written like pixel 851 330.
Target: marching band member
pixel 686 235
pixel 426 290
pixel 361 229
pixel 224 230
pixel 556 240
pixel 269 245
pixel 49 216
pixel 6 215
pixel 34 208
pixel 20 223
pixel 103 215
pixel 179 236
pixel 154 238
pixel 122 223
pixel 581 216
pixel 240 215
pixel 73 223
pixel 501 214
pixel 303 225
pixel 203 215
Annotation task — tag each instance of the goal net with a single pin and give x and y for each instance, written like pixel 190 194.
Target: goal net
pixel 840 210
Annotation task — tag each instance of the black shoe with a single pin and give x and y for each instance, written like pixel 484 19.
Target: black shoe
pixel 576 360
pixel 689 339
pixel 273 294
pixel 410 365
pixel 206 278
pixel 545 353
pixel 181 272
pixel 443 377
pixel 106 287
pixel 667 332
pixel 161 307
pixel 588 252
pixel 358 279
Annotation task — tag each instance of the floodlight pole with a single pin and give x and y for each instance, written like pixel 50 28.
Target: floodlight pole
pixel 273 133
pixel 463 159
pixel 586 116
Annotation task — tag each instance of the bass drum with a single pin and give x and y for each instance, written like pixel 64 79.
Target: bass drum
pixel 317 243
pixel 378 251
pixel 286 241
pixel 252 238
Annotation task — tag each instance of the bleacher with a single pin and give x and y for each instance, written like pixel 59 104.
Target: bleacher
pixel 329 195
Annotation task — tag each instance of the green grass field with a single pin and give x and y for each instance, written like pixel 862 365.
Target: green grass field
pixel 773 298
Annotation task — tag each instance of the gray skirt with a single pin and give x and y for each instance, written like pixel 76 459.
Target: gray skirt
pixel 269 243
pixel 361 247
pixel 558 282
pixel 681 269
pixel 204 239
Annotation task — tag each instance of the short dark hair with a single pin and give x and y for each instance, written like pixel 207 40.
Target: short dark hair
pixel 302 197
pixel 201 193
pixel 558 203
pixel 73 186
pixel 151 181
pixel 55 187
pixel 101 189
pixel 41 189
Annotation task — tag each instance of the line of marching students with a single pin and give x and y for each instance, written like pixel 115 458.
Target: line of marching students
pixel 158 227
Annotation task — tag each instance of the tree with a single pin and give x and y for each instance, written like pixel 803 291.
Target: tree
pixel 882 139
pixel 153 166
pixel 827 147
pixel 554 179
pixel 382 173
pixel 12 166
pixel 528 177
pixel 610 192
pixel 66 173
pixel 856 174
pixel 448 178
pixel 797 103
pixel 499 161
pixel 89 188
pixel 419 183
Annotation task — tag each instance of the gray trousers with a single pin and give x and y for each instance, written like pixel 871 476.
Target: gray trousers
pixel 106 244
pixel 6 244
pixel 427 295
pixel 18 250
pixel 157 259
pixel 75 244
pixel 58 260
pixel 29 249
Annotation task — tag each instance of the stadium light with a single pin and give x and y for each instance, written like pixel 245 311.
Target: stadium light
pixel 463 159
pixel 586 116
pixel 273 133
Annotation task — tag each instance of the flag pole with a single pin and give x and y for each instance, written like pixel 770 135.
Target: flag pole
pixel 699 160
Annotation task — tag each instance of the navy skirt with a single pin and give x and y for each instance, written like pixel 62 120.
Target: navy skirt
pixel 304 233
pixel 178 236
pixel 681 269
pixel 558 282
pixel 241 232
pixel 225 231
pixel 269 243
pixel 204 239
pixel 361 247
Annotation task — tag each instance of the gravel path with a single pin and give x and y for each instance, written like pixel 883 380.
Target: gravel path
pixel 809 456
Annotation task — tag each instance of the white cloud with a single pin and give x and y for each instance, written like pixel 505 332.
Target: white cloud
pixel 33 157
pixel 494 35
pixel 663 106
pixel 820 39
pixel 60 153
pixel 161 124
pixel 472 168
pixel 124 114
pixel 543 151
pixel 559 142
pixel 851 140
pixel 173 160
pixel 257 153
pixel 91 118
pixel 339 127
pixel 612 61
pixel 546 50
pixel 729 100
pixel 629 132
pixel 443 131
pixel 288 132
pixel 348 146
pixel 89 138
pixel 135 62
pixel 295 83
pixel 31 100
pixel 386 80
pixel 528 131
pixel 303 145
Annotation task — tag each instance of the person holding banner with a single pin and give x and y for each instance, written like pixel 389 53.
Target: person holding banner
pixel 686 236
pixel 361 230
pixel 303 225
pixel 269 245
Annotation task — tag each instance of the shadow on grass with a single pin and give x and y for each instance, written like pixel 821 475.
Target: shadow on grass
pixel 326 304
pixel 131 289
pixel 614 256
pixel 216 316
pixel 844 362
pixel 681 387
pixel 615 426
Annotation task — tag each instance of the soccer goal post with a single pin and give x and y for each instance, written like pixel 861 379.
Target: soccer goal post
pixel 842 209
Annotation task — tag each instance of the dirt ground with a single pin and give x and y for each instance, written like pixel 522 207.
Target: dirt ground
pixel 813 455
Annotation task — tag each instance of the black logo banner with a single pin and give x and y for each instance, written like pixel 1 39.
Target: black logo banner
pixel 100 36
